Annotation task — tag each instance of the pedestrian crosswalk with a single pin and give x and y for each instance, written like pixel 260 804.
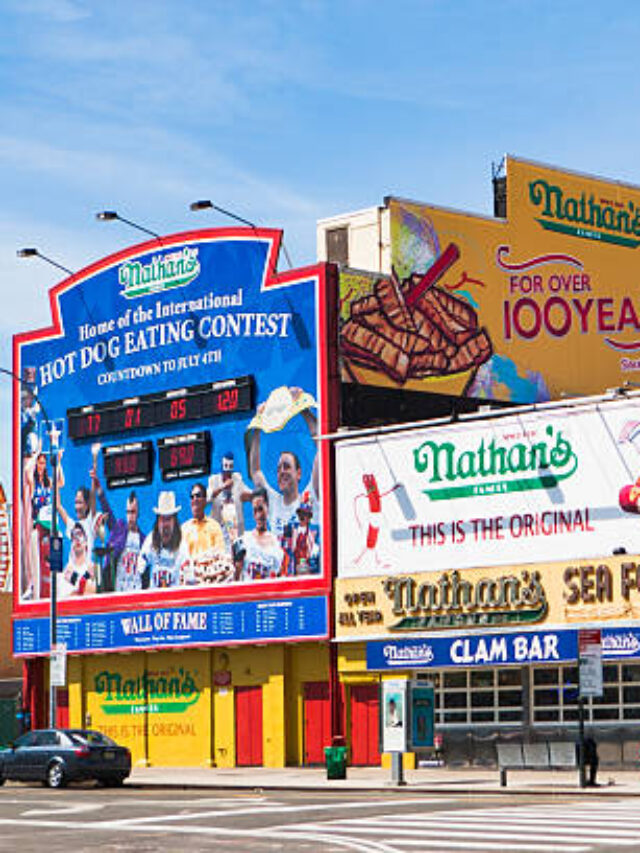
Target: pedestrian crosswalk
pixel 596 825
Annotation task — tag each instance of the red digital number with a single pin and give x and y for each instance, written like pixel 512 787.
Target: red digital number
pixel 131 417
pixel 182 456
pixel 178 409
pixel 93 424
pixel 228 400
pixel 125 464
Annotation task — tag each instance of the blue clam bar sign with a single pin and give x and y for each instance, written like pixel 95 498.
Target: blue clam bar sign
pixel 542 647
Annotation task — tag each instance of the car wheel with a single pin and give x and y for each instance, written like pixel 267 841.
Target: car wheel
pixel 55 775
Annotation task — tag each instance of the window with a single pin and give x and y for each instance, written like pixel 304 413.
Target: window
pixel 337 243
pixel 479 696
pixel 555 694
pixel 46 739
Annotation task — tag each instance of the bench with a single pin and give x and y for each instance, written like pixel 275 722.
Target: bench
pixel 544 755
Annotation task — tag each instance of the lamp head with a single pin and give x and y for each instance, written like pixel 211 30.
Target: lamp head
pixel 203 204
pixel 107 215
pixel 27 253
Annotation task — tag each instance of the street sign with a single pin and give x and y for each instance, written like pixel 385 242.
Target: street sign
pixel 55 554
pixel 590 662
pixel 52 435
pixel 58 665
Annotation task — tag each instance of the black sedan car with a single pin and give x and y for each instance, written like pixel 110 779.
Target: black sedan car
pixel 58 756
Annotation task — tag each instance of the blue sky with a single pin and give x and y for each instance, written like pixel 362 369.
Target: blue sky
pixel 285 112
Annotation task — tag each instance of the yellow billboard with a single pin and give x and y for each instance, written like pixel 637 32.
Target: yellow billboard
pixel 537 306
pixel 549 595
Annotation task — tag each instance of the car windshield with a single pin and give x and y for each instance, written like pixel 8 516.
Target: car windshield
pixel 83 736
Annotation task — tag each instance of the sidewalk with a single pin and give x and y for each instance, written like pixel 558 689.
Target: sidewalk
pixel 470 780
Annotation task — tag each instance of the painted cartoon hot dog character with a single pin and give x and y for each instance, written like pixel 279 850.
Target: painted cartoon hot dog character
pixel 373 520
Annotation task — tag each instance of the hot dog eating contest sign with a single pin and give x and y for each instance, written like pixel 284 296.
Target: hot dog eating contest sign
pixel 534 307
pixel 182 385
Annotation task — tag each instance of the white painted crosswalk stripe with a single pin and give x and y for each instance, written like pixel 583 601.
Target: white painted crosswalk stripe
pixel 607 831
pixel 547 829
pixel 448 839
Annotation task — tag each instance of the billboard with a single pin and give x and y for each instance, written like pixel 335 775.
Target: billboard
pixel 180 390
pixel 532 308
pixel 556 483
pixel 516 597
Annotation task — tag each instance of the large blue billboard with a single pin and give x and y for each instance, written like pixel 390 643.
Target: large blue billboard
pixel 184 382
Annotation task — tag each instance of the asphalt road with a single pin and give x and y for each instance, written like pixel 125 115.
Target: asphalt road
pixel 133 820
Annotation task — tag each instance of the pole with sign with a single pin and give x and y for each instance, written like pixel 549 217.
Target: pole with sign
pixel 590 682
pixel 53 432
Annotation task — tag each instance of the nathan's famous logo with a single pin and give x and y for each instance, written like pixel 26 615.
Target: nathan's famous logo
pixel 164 272
pixel 155 693
pixel 580 216
pixel 450 601
pixel 520 467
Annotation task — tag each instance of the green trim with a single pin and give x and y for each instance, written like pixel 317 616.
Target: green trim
pixel 470 620
pixel 153 707
pixel 588 234
pixel 498 487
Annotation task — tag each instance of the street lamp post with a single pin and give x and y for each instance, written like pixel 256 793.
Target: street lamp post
pixel 111 215
pixel 207 204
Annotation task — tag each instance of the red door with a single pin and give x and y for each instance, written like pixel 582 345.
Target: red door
pixel 62 708
pixel 317 721
pixel 248 726
pixel 364 724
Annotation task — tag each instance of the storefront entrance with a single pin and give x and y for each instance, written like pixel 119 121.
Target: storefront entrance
pixel 248 726
pixel 317 721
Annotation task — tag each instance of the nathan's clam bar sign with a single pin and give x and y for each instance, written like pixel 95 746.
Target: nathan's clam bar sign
pixel 475 552
pixel 536 306
pixel 187 384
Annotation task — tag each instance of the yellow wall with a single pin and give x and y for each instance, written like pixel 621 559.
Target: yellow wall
pixel 181 737
pixel 188 716
pixel 101 705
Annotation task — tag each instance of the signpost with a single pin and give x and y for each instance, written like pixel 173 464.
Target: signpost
pixel 590 682
pixel 58 664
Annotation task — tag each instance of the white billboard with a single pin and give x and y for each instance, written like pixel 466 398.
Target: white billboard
pixel 553 484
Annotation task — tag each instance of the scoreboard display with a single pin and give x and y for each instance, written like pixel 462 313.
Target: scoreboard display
pixel 185 455
pixel 128 464
pixel 156 410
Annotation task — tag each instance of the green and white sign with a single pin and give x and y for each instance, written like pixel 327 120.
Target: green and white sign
pixel 553 484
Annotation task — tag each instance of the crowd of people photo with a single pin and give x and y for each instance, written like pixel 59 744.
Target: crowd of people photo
pixel 217 531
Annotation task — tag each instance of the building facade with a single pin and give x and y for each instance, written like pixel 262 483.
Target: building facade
pixel 176 401
pixel 454 565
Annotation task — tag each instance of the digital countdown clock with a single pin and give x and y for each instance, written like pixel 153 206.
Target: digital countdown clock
pixel 170 407
pixel 128 464
pixel 185 455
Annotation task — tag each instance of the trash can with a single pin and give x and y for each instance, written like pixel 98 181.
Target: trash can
pixel 336 760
